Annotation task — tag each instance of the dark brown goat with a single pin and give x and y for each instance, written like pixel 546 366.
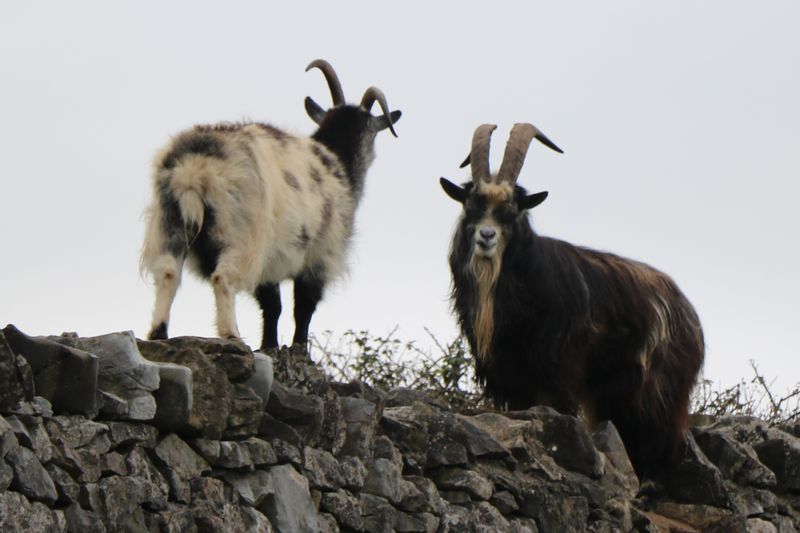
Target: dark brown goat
pixel 550 323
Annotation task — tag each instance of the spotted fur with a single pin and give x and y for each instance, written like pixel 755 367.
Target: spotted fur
pixel 248 205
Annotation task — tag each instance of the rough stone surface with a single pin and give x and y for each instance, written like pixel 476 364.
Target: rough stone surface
pixel 361 419
pixel 173 397
pixel 253 487
pixel 618 466
pixel 474 484
pixel 124 372
pixel 30 477
pixel 246 411
pixel 212 391
pixel 65 376
pixel 344 507
pixel 781 454
pixel 736 461
pixel 182 463
pixel 290 508
pixel 263 376
pixel 696 480
pixel 322 469
pixel 302 412
pixel 328 457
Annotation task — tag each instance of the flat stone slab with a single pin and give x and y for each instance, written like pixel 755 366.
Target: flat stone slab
pixel 263 376
pixel 174 397
pixel 125 373
pixel 64 375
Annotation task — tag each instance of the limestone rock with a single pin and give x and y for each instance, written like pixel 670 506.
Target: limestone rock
pixel 263 376
pixel 128 433
pixel 212 391
pixel 322 469
pixel 424 499
pixel 344 507
pixel 81 520
pixel 286 453
pixel 565 439
pixel 303 412
pixel 124 372
pixel 504 501
pixel 232 356
pixel 8 439
pixel 696 480
pixel 486 518
pixel 67 377
pixel 477 486
pixel 183 463
pixel 384 480
pixel 781 454
pixel 252 487
pixel 290 508
pixel 174 397
pixel 6 475
pixel 234 456
pixel 361 419
pixel 66 486
pixel 378 513
pixel 141 467
pixel 121 500
pixel 607 440
pixel 271 428
pixel 30 477
pixel 736 461
pixel 455 519
pixel 354 473
pixel 429 437
pixel 260 451
pixel 19 514
pixel 246 411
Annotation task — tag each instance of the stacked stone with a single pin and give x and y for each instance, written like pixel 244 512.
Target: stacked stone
pixel 113 434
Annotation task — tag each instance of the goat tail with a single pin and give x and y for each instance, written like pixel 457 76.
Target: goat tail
pixel 192 210
pixel 186 185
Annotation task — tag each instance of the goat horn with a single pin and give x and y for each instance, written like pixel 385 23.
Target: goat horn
pixel 517 148
pixel 370 96
pixel 330 76
pixel 479 156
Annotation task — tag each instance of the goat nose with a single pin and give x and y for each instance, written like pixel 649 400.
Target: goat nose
pixel 487 233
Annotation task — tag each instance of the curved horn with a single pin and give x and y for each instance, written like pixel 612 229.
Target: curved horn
pixel 330 76
pixel 479 156
pixel 517 148
pixel 370 96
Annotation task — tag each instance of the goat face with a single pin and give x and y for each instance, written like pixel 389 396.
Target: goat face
pixel 491 212
pixel 493 203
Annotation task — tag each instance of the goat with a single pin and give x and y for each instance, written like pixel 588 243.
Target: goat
pixel 551 323
pixel 250 205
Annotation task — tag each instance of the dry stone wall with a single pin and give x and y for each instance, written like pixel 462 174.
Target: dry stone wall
pixel 112 433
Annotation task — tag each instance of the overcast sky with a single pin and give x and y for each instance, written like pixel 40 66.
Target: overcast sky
pixel 680 126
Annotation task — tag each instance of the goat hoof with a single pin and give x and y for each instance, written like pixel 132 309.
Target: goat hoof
pixel 158 333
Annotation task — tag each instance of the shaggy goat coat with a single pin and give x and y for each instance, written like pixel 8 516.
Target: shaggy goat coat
pixel 550 323
pixel 248 206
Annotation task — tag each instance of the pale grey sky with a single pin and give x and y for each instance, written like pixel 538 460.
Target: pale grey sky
pixel 679 123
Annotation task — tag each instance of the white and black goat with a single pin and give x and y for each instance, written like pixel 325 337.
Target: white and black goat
pixel 249 205
pixel 550 323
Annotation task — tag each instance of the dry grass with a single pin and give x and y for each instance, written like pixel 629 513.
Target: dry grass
pixel 447 371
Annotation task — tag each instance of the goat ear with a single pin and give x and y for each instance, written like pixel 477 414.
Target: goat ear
pixel 314 110
pixel 466 160
pixel 532 200
pixel 382 123
pixel 453 191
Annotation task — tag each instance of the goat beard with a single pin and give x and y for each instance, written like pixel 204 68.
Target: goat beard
pixel 485 270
